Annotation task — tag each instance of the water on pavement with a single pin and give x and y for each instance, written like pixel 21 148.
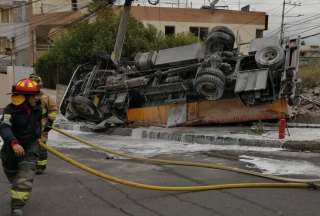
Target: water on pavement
pixel 149 148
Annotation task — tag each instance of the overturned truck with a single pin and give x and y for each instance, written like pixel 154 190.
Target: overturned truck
pixel 198 84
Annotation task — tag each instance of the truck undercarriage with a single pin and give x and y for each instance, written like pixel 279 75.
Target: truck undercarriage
pixel 197 84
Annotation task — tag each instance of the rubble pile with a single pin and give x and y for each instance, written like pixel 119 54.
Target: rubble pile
pixel 309 109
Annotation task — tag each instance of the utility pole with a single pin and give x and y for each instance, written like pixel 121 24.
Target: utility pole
pixel 13 59
pixel 282 17
pixel 41 6
pixel 121 34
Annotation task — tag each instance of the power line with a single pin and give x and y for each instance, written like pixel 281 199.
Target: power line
pixel 37 22
pixel 28 44
pixel 312 35
pixel 307 30
pixel 239 26
pixel 305 20
pixel 83 18
pixel 282 18
pixel 302 28
pixel 23 46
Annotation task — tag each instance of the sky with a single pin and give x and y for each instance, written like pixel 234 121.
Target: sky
pixel 304 19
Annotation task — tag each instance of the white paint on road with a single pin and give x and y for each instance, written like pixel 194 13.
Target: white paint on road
pixel 143 146
pixel 281 167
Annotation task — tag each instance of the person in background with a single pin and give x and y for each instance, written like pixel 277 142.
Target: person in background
pixel 20 129
pixel 49 114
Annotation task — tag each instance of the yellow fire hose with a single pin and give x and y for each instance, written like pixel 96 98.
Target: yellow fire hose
pixel 186 163
pixel 174 188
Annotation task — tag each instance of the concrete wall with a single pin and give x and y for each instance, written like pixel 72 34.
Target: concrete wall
pixel 7 80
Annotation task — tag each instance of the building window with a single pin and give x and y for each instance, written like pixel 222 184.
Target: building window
pixel 5 15
pixel 4 45
pixel 199 32
pixel 18 14
pixel 259 33
pixel 169 30
pixel 74 5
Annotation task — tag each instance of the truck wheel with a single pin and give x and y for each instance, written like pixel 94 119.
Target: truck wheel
pixel 270 56
pixel 222 29
pixel 85 109
pixel 211 71
pixel 219 41
pixel 209 86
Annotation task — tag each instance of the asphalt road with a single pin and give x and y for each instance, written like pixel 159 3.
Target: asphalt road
pixel 66 191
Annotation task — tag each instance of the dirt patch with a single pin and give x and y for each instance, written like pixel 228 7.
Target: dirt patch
pixel 309 109
pixel 310 75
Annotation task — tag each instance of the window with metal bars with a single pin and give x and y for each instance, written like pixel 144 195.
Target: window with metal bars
pixel 74 5
pixel 199 32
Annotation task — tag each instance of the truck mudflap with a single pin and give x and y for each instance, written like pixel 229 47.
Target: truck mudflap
pixel 206 113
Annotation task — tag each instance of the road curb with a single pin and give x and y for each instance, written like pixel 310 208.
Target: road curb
pixel 207 139
pixel 296 145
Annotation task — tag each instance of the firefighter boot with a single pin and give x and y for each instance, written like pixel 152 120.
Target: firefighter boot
pixel 16 212
pixel 43 155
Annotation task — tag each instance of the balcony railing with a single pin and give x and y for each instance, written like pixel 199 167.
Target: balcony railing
pixel 43 47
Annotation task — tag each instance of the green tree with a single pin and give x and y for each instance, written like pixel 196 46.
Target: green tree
pixel 78 43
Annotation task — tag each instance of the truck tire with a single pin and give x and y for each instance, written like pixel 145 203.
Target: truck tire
pixel 270 56
pixel 211 71
pixel 222 29
pixel 209 86
pixel 84 108
pixel 219 41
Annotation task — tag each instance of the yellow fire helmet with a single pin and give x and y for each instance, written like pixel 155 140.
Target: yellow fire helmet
pixel 18 99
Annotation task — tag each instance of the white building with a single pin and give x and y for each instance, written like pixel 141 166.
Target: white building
pixel 14 45
pixel 14 33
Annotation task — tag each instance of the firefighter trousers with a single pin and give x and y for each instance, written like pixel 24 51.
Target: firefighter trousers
pixel 20 172
pixel 43 154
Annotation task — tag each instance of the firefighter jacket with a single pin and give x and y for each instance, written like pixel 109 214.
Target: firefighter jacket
pixel 49 111
pixel 22 123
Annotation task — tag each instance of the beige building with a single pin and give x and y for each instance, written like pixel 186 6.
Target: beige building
pixel 246 25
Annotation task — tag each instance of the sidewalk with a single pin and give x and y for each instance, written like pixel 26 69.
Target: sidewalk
pixel 297 138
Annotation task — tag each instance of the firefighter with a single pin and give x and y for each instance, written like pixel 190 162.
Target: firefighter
pixel 49 113
pixel 20 129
